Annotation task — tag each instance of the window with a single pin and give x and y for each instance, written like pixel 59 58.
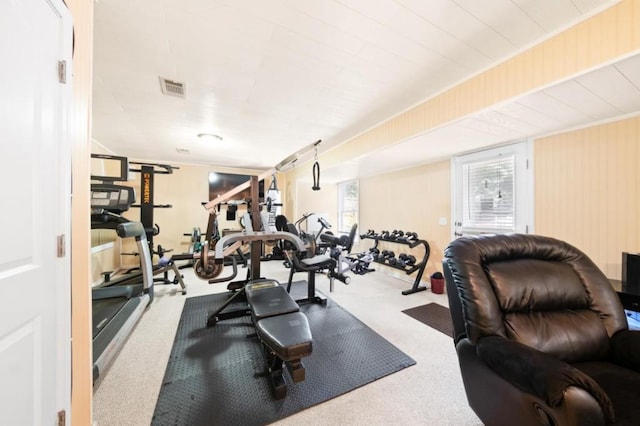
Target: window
pixel 488 193
pixel 348 202
pixel 492 191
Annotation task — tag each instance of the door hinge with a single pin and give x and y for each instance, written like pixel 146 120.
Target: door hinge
pixel 62 72
pixel 62 418
pixel 61 246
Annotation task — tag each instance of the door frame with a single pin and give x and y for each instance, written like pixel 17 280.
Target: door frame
pixel 525 214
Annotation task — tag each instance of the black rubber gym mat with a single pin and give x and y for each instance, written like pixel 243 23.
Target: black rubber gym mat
pixel 216 376
pixel 434 315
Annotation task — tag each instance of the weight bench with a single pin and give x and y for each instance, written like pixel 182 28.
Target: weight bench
pixel 282 329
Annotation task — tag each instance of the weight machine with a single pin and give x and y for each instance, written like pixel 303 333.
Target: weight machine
pixel 147 185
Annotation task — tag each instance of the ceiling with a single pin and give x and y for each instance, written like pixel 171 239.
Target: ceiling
pixel 270 77
pixel 610 92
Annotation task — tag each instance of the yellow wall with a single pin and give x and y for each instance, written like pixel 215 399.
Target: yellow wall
pixel 409 200
pixel 104 258
pixel 587 190
pixel 612 34
pixel 601 232
pixel 323 201
pixel 80 126
pixel 185 190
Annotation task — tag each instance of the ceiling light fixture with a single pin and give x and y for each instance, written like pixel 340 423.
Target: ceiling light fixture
pixel 210 136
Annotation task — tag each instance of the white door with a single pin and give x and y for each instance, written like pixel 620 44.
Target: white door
pixel 35 323
pixel 492 191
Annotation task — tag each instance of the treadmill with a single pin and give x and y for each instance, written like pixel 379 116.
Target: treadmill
pixel 117 308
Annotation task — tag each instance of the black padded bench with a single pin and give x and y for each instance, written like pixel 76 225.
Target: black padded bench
pixel 283 330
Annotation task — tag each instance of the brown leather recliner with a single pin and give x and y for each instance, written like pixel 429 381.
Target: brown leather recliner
pixel 541 336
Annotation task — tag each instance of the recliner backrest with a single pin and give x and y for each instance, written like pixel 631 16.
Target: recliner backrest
pixel 536 290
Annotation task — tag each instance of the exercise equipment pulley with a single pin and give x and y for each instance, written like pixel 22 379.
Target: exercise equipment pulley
pixel 316 169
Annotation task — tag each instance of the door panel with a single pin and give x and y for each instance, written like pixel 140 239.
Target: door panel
pixel 34 281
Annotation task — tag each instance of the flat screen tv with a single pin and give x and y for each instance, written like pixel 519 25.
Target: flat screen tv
pixel 220 183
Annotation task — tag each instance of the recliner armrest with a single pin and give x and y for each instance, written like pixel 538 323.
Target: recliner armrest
pixel 538 373
pixel 625 349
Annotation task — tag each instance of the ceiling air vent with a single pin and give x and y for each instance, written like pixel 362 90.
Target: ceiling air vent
pixel 182 151
pixel 173 88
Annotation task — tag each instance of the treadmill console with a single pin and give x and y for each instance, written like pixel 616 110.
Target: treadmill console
pixel 108 202
pixel 112 198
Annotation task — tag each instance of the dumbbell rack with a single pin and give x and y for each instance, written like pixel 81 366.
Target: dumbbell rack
pixel 419 267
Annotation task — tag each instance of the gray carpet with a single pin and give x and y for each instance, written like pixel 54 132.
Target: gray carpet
pixel 216 376
pixel 434 315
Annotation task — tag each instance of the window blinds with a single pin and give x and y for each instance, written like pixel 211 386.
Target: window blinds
pixel 488 193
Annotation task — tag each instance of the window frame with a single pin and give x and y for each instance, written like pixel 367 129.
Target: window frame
pixel 342 228
pixel 522 192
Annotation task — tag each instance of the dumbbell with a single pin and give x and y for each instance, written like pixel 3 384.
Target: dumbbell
pixel 404 238
pixel 389 256
pixel 384 235
pixel 381 256
pixel 411 236
pixel 407 259
pixel 408 237
pixel 397 234
pixel 366 257
pixel 370 234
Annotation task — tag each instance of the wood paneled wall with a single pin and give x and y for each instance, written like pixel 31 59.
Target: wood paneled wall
pixel 185 190
pixel 80 125
pixel 105 258
pixel 409 200
pixel 612 34
pixel 418 197
pixel 310 201
pixel 587 190
pixel 599 40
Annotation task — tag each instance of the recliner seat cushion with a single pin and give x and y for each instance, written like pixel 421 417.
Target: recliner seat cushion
pixel 539 373
pixel 620 384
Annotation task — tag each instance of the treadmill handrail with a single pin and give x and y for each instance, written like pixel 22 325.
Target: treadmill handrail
pixel 135 229
pixel 130 229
